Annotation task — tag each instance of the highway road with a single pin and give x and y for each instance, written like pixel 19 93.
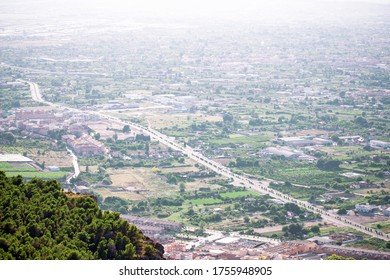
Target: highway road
pixel 240 180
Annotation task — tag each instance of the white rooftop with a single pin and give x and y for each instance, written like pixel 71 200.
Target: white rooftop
pixel 322 239
pixel 227 240
pixel 216 252
pixel 14 158
pixel 292 138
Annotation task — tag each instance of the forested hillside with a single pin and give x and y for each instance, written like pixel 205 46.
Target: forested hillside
pixel 39 221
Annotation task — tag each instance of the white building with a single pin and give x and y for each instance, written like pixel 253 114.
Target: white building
pixel 295 141
pixel 356 139
pixel 321 141
pixel 366 209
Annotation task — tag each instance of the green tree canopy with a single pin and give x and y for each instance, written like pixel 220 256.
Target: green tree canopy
pixel 39 221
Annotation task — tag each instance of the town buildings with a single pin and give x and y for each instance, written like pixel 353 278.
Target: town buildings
pixel 85 145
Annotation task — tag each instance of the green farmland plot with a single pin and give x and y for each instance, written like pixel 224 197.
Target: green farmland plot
pixel 5 166
pixel 229 195
pixel 238 194
pixel 252 140
pixel 205 201
pixel 306 176
pixel 302 173
pixel 300 192
pixel 39 175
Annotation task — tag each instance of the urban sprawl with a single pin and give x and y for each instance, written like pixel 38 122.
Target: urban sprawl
pixel 240 140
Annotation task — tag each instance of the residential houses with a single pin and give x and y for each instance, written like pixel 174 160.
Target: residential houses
pixel 85 145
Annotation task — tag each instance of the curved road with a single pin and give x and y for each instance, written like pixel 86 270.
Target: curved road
pixel 75 166
pixel 260 186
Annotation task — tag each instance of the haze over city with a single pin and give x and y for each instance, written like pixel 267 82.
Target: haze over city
pixel 233 10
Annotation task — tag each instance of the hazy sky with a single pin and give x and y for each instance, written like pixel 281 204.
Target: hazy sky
pixel 188 9
pixel 208 5
pixel 166 5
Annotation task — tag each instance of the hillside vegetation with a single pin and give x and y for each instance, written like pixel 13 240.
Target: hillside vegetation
pixel 39 221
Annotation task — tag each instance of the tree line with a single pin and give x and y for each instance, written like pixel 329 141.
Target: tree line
pixel 39 221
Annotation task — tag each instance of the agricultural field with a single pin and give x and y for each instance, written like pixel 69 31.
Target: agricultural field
pixel 254 141
pixel 13 149
pixel 293 172
pixel 51 158
pixel 223 207
pixel 89 168
pixel 178 168
pixel 383 226
pixel 142 181
pixel 302 193
pixel 371 244
pixel 305 176
pixel 161 121
pixel 59 175
pixel 386 187
pixel 205 201
pixel 27 171
pixel 109 191
pixel 16 167
pixel 43 152
pixel 198 184
pixel 238 194
pixel 347 152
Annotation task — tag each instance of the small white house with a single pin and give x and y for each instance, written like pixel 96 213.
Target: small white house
pixel 53 168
